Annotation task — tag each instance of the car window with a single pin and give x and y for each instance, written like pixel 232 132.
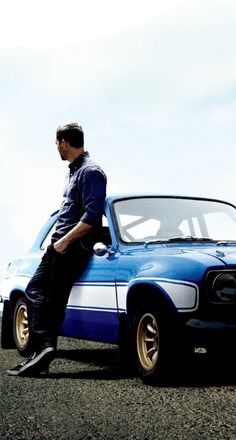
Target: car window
pixel 220 218
pixel 159 218
pixel 47 240
pixel 133 227
pixel 106 238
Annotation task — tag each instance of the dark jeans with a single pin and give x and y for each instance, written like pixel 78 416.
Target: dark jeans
pixel 48 291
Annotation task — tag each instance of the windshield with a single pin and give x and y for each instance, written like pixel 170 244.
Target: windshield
pixel 147 219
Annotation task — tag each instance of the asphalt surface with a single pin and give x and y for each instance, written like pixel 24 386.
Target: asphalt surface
pixel 87 396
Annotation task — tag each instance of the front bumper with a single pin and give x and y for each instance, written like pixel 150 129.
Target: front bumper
pixel 211 332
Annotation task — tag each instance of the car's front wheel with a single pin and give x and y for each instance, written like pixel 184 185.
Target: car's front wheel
pixel 154 341
pixel 147 340
pixel 147 335
pixel 20 327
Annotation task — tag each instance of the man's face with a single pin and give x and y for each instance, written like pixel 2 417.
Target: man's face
pixel 61 146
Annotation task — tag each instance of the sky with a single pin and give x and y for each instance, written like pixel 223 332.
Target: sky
pixel 153 84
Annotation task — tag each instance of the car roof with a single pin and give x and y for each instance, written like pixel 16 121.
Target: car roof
pixel 125 196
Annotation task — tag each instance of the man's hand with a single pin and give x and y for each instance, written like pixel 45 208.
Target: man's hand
pixel 77 232
pixel 61 246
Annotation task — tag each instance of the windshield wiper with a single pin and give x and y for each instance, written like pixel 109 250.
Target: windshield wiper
pixel 188 238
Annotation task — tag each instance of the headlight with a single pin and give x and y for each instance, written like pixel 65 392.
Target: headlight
pixel 224 288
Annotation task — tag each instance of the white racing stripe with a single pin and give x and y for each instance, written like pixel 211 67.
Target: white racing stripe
pixel 184 294
pixel 102 295
pixel 94 296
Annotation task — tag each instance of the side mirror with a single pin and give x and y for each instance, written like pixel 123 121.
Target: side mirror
pixel 100 249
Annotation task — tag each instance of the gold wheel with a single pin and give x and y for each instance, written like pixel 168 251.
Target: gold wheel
pixel 147 340
pixel 21 328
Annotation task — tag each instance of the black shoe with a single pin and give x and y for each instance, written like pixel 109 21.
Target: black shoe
pixel 36 365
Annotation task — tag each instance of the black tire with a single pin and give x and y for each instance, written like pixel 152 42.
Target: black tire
pixel 20 327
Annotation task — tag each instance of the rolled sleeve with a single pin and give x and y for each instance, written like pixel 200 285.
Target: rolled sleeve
pixel 93 191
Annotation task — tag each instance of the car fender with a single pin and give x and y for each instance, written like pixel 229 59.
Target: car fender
pixel 14 285
pixel 178 295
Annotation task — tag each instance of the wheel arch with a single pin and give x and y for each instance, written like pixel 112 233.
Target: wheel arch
pixel 14 296
pixel 144 292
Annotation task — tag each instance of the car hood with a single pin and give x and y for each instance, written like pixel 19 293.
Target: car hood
pixel 188 262
pixel 226 255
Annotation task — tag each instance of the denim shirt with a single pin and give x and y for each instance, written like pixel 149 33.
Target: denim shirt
pixel 83 199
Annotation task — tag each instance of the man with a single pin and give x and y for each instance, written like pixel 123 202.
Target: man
pixel 78 224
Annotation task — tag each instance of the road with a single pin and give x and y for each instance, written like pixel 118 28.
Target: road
pixel 87 396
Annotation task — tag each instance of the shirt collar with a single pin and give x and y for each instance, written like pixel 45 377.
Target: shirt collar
pixel 78 162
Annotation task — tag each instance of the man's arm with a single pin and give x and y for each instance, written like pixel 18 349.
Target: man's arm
pixel 93 189
pixel 77 232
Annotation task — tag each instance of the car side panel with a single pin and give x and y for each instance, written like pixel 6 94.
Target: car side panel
pixel 92 307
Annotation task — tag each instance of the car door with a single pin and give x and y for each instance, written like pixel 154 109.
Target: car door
pixel 92 308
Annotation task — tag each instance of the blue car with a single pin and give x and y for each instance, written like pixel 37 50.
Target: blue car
pixel 160 283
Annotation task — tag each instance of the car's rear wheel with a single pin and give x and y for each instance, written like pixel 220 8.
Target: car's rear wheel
pixel 21 327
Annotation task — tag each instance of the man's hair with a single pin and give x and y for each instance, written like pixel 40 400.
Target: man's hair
pixel 72 133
